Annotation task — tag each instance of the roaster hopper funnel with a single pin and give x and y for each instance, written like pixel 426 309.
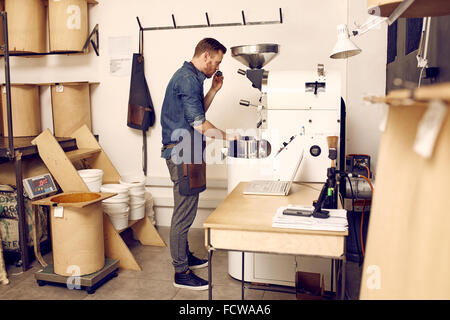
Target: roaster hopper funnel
pixel 255 56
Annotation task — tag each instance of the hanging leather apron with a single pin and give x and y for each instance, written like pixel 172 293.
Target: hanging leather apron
pixel 141 113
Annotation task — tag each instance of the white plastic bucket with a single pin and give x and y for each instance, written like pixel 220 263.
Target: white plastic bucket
pixel 121 190
pixel 137 198
pixel 134 182
pixel 115 188
pixel 94 186
pixel 115 207
pixel 90 173
pixel 117 200
pixel 134 192
pixel 137 211
pixel 119 220
pixel 137 202
pixel 119 197
pixel 92 178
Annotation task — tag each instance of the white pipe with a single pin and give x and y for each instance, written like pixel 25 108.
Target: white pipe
pixel 427 37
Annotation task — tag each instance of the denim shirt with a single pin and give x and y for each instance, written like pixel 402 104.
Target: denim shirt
pixel 183 106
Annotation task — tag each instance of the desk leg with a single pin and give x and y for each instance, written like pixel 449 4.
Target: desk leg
pixel 337 270
pixel 344 262
pixel 242 281
pixel 332 274
pixel 210 254
pixel 340 278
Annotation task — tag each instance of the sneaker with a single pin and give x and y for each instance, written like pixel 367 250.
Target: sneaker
pixel 189 280
pixel 196 263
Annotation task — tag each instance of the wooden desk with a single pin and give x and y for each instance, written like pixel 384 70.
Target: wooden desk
pixel 244 223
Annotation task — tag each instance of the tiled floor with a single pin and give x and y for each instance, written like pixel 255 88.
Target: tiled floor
pixel 154 282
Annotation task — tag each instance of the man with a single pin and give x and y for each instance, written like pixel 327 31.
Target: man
pixel 184 109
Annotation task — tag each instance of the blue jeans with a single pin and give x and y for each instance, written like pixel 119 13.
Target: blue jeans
pixel 184 212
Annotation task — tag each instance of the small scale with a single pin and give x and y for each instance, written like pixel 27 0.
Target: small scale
pixel 39 186
pixel 90 282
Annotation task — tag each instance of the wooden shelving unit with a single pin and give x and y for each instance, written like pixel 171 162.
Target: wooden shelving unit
pixel 13 150
pixel 61 166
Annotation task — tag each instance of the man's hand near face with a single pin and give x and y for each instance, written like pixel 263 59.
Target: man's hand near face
pixel 216 85
pixel 217 82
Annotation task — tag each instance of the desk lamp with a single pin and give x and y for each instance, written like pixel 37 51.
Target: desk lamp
pixel 345 47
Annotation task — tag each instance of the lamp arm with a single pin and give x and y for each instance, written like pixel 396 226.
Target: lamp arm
pixel 371 23
pixel 422 53
pixel 374 21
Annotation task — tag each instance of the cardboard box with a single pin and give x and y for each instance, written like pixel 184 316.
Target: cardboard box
pixel 309 286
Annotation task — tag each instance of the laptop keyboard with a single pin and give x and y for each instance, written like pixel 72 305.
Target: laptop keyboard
pixel 269 186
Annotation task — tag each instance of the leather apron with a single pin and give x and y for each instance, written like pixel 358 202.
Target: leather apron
pixel 193 174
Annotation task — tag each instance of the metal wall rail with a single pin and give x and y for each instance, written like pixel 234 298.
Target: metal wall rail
pixel 209 24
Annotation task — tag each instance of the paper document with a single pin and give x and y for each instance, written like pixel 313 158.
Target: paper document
pixel 120 53
pixel 336 222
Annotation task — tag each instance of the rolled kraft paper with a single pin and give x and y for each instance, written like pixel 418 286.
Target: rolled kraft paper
pixel 77 240
pixel 25 108
pixel 26 25
pixel 71 108
pixel 68 24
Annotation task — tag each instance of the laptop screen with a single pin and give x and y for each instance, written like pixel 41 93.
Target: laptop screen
pixel 296 169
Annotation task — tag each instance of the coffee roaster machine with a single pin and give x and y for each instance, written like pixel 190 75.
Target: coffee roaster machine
pixel 296 110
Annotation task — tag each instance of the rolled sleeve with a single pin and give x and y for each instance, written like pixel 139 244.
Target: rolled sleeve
pixel 198 121
pixel 191 94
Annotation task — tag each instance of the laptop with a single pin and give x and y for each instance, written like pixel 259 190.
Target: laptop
pixel 272 188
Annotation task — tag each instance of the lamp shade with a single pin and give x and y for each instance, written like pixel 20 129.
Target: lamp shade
pixel 344 47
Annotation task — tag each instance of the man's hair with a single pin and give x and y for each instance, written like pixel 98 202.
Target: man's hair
pixel 209 44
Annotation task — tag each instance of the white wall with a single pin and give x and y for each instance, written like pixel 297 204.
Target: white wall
pixel 366 75
pixel 306 37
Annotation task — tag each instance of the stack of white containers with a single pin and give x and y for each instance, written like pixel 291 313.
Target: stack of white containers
pixel 92 178
pixel 136 185
pixel 117 207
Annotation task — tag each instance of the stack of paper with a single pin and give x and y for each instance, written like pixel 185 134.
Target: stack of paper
pixel 337 220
